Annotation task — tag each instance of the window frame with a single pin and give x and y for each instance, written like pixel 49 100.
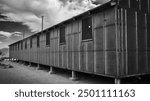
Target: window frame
pixel 31 42
pixel 62 35
pixel 21 45
pixel 26 45
pixel 38 40
pixel 47 38
pixel 84 25
pixel 18 46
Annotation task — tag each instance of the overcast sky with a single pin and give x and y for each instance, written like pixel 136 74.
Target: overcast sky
pixel 24 16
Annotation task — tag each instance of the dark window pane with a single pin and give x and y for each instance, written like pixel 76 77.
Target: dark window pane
pixel 87 28
pixel 47 38
pixel 31 42
pixel 21 45
pixel 26 44
pixel 18 46
pixel 38 41
pixel 62 35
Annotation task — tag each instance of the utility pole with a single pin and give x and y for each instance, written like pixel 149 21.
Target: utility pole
pixel 42 22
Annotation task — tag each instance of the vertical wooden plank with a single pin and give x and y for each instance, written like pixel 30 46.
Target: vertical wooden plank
pixel 75 27
pixel 44 49
pixel 98 20
pixel 56 53
pixel 111 63
pixel 123 41
pixel 141 32
pixel 73 50
pixel 131 42
pixel 60 56
pixel 99 39
pixel 146 42
pixel 80 26
pixel 35 49
pixel 47 55
pixel 41 48
pixel 50 54
pixel 126 43
pixel 55 46
pixel 64 55
pixel 70 52
pixel 148 31
pixel 83 57
pixel 110 30
pixel 76 51
pixel 110 39
pixel 53 55
pixel 148 61
pixel 51 45
pixel 142 62
pixel 80 38
pixel 110 51
pixel 148 38
pixel 90 57
pixel 67 46
pixel 100 62
pixel 137 46
pixel 32 56
pixel 99 56
pixel 38 53
pixel 141 42
pixel 53 49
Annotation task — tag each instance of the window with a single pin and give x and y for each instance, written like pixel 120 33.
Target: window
pixel 15 47
pixel 31 42
pixel 87 28
pixel 18 46
pixel 62 39
pixel 47 38
pixel 25 44
pixel 21 45
pixel 38 41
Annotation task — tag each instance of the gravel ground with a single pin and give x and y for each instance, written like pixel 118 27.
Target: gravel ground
pixel 21 74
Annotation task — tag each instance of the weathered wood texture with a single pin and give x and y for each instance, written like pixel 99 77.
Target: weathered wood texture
pixel 120 45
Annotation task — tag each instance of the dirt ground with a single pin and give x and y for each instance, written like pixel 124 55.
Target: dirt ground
pixel 21 74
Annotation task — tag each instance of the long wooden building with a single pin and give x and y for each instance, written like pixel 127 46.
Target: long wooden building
pixel 111 40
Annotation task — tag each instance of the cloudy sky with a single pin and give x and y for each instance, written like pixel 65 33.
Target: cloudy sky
pixel 24 16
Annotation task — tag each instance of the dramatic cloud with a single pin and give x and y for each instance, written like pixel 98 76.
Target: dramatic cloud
pixel 2 17
pixel 6 34
pixel 9 34
pixel 18 34
pixel 1 42
pixel 29 12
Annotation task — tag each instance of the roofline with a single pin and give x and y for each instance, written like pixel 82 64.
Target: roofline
pixel 91 11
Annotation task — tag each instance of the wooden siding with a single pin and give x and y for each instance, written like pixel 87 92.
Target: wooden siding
pixel 134 26
pixel 120 46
